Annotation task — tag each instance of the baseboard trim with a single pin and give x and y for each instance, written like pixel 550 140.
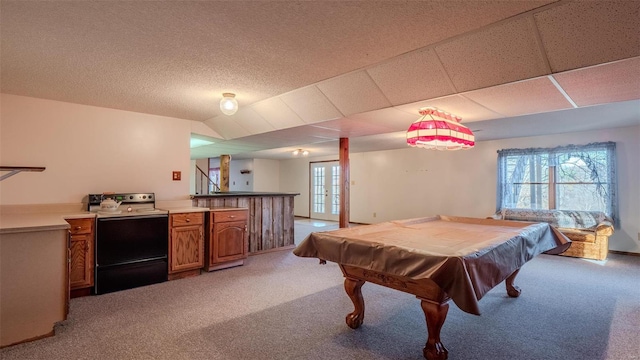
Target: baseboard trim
pixel 49 334
pixel 282 248
pixel 624 253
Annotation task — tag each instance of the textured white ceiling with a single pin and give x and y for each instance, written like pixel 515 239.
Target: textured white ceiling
pixel 310 72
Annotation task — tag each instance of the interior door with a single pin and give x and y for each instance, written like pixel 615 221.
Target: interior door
pixel 325 190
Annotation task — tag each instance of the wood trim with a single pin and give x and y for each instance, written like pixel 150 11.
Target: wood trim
pixel 344 182
pixel 49 334
pixel 288 247
pixel 624 253
pixel 184 274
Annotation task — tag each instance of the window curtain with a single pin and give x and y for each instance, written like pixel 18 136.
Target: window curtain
pixel 604 178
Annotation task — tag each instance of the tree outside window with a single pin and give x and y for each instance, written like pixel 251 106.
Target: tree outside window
pixel 574 177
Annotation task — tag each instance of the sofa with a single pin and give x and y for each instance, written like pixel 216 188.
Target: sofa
pixel 588 231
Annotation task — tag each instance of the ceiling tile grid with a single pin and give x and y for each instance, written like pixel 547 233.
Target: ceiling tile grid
pixel 583 33
pixel 499 54
pixel 354 93
pixel 311 105
pixel 521 98
pixel 411 77
pixel 601 84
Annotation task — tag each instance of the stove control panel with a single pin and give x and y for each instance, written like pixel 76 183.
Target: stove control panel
pixel 125 198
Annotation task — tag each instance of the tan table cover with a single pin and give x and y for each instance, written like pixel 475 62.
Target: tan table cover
pixel 466 257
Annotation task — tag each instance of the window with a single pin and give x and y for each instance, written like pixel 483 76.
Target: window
pixel 574 177
pixel 214 175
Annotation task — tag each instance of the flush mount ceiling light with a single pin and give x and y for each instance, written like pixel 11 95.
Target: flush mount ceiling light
pixel 300 151
pixel 228 104
pixel 439 130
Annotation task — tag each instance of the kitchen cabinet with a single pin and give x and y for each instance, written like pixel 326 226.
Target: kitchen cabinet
pixel 186 244
pixel 228 242
pixel 81 248
pixel 270 223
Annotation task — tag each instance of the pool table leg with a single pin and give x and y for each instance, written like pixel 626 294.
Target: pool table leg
pixel 353 287
pixel 512 290
pixel 435 313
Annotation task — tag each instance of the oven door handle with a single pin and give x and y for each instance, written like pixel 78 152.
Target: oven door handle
pixel 120 218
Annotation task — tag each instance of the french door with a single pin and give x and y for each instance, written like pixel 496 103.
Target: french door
pixel 325 190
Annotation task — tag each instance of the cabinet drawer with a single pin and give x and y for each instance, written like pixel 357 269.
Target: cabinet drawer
pixel 80 226
pixel 232 215
pixel 196 218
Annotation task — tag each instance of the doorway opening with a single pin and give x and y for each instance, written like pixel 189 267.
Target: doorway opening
pixel 324 190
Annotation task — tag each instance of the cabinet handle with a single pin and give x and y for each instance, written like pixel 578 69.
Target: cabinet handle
pixel 78 227
pixel 188 220
pixel 231 216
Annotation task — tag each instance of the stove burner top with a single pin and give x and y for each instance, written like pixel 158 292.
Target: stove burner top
pixel 131 204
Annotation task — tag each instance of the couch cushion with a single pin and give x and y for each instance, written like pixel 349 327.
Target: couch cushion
pixel 579 235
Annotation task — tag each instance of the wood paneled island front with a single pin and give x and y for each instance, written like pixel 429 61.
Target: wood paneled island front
pixel 270 224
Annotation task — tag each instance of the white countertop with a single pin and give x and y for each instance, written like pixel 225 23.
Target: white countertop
pixel 183 209
pixel 38 221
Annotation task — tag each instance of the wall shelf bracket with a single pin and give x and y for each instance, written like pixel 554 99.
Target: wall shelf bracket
pixel 18 169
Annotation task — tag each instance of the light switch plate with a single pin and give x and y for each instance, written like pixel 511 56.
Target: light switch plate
pixel 177 175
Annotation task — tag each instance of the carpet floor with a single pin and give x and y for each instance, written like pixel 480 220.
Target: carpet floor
pixel 279 306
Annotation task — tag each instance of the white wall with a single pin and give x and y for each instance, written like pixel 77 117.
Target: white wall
pixel 238 181
pixel 412 182
pixel 88 149
pixel 294 177
pixel 266 175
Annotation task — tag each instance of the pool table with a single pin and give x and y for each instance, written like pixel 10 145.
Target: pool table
pixel 437 258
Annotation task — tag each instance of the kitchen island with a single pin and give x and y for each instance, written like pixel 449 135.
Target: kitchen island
pixel 270 223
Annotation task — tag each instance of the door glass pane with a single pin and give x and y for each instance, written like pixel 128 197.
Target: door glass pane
pixel 335 187
pixel 318 189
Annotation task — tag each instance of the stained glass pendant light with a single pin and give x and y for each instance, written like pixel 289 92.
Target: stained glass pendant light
pixel 439 130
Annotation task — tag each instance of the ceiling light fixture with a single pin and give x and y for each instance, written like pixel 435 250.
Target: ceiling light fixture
pixel 228 104
pixel 300 151
pixel 439 130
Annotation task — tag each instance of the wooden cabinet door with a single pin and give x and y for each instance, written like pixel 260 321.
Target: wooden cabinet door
pixel 80 273
pixel 228 241
pixel 187 248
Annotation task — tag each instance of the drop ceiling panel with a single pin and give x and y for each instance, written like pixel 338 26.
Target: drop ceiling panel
pixel 227 127
pixel 458 105
pixel 307 131
pixel 311 105
pixel 349 128
pixel 521 98
pixel 600 84
pixel 415 76
pixel 250 120
pixel 390 118
pixel 277 113
pixel 499 54
pixel 354 93
pixel 583 33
